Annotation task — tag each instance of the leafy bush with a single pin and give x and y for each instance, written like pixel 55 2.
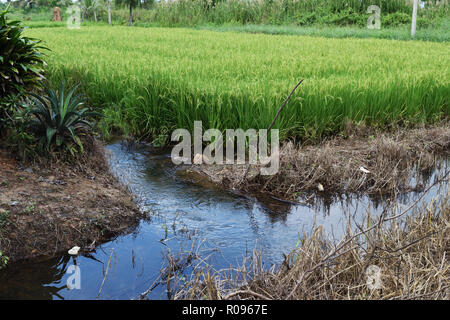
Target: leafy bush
pixel 58 119
pixel 18 137
pixel 3 260
pixel 395 19
pixel 7 104
pixel 345 17
pixel 304 12
pixel 21 62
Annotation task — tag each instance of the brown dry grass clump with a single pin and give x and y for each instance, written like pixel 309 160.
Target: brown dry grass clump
pixel 411 253
pixel 335 164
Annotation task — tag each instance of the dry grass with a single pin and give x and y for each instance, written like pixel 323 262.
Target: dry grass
pixel 391 159
pixel 410 248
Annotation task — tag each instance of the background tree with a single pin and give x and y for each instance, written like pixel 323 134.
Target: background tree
pixel 131 4
pixel 47 3
pixel 30 4
pixel 108 2
pixel 64 3
pixel 147 4
pixel 89 7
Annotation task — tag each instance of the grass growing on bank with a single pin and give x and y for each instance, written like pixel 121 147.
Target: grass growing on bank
pixel 150 81
pixel 438 34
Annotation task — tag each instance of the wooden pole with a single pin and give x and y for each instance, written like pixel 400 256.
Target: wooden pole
pixel 414 18
pixel 109 11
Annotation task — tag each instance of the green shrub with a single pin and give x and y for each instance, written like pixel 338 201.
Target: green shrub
pixel 3 260
pixel 21 62
pixel 7 104
pixel 300 12
pixel 18 137
pixel 395 19
pixel 58 119
pixel 346 17
pixel 52 123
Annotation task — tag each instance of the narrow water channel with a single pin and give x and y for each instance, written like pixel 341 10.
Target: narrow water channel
pixel 220 225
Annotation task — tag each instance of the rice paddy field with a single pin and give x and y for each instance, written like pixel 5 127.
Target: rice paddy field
pixel 149 81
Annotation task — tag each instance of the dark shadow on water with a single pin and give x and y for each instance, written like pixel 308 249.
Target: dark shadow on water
pixel 34 280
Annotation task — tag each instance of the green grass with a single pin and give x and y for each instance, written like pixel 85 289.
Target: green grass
pixel 149 81
pixel 58 24
pixel 437 34
pixel 434 34
pixel 41 14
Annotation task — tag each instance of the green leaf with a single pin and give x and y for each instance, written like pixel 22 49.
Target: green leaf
pixel 50 133
pixel 59 140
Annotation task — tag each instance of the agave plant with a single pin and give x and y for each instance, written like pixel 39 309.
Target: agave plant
pixel 59 117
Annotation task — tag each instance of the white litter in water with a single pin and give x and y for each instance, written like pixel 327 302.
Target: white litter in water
pixel 198 158
pixel 74 251
pixel 364 170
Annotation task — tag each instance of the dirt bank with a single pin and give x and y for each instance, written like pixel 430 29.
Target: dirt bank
pixel 48 208
pixel 334 166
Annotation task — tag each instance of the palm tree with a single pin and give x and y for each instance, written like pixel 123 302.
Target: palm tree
pixel 131 4
pixel 88 6
pixel 30 3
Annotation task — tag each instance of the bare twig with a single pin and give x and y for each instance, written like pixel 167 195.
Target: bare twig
pixel 106 274
pixel 282 106
pixel 235 293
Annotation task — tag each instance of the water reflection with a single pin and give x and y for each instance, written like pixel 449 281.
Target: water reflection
pixel 37 280
pixel 222 225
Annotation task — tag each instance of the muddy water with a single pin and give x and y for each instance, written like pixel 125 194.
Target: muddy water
pixel 219 225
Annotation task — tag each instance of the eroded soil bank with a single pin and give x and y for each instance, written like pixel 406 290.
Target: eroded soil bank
pixel 334 166
pixel 49 208
pixel 199 220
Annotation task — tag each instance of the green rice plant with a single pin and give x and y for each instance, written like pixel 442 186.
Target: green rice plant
pixel 58 116
pixel 149 81
pixel 436 34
